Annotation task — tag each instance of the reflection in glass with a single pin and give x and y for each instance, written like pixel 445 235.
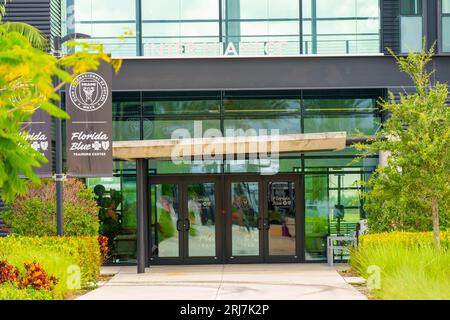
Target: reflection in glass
pixel 202 218
pixel 167 128
pixel 164 207
pixel 317 208
pixel 333 207
pixel 116 199
pixel 281 211
pixel 256 104
pixel 245 217
pixel 252 126
pixel 351 115
pixel 126 116
pixel 364 123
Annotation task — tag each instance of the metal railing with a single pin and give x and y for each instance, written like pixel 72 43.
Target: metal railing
pixel 249 46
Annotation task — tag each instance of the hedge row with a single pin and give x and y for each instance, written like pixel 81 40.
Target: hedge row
pixel 404 238
pixel 57 255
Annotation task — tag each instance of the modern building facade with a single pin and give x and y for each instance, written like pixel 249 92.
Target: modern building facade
pixel 245 66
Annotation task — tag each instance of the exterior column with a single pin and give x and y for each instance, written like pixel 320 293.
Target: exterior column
pixel 142 213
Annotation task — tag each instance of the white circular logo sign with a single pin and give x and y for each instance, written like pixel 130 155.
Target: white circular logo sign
pixel 88 91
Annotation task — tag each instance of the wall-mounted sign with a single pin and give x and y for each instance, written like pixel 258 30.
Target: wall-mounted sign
pixel 89 129
pixel 38 132
pixel 218 49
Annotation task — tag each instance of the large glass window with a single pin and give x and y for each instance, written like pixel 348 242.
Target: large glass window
pixel 351 115
pixel 126 116
pixel 446 25
pixel 182 28
pixel 329 178
pixel 111 22
pixel 116 198
pixel 188 115
pixel 191 26
pixel 411 24
pixel 340 112
pixel 262 112
pixel 250 25
pixel 333 206
pixel 346 26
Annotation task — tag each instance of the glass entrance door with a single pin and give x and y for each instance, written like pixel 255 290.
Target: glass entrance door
pixel 236 219
pixel 184 223
pixel 165 221
pixel 263 219
pixel 202 226
pixel 244 221
pixel 281 226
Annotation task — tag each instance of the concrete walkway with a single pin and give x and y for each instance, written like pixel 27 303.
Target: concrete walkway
pixel 224 282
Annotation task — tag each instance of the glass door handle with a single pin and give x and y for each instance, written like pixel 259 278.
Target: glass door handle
pixel 179 222
pixel 187 225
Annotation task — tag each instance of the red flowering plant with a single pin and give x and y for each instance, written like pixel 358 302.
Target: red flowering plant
pixel 103 244
pixel 8 273
pixel 37 278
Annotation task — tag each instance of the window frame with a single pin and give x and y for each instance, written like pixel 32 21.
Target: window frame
pixel 442 15
pixel 421 15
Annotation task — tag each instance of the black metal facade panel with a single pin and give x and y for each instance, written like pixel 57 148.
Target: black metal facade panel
pixel 265 73
pixel 390 25
pixel 431 19
pixel 43 14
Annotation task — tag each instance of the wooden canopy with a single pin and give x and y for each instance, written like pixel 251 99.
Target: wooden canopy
pixel 290 143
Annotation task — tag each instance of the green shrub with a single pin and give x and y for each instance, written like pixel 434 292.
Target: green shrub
pixel 56 255
pixel 411 267
pixel 410 239
pixel 11 292
pixel 35 213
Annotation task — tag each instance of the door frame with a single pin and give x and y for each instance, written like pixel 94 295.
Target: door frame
pixel 299 218
pixel 218 258
pixel 223 218
pixel 263 181
pixel 229 179
pixel 182 181
pixel 153 180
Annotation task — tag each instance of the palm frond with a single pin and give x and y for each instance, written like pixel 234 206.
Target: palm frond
pixel 34 35
pixel 2 11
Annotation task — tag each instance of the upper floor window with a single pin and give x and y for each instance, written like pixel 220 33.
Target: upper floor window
pixel 230 27
pixel 180 27
pixel 111 22
pixel 446 25
pixel 341 27
pixel 411 24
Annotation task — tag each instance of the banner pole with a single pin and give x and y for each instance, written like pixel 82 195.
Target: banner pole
pixel 59 177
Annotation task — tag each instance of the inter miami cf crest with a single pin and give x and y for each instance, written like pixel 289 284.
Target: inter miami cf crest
pixel 88 91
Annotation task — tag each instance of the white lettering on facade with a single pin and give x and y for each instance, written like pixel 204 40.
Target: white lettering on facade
pixel 216 49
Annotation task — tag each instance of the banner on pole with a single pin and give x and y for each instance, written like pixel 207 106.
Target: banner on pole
pixel 89 129
pixel 38 132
